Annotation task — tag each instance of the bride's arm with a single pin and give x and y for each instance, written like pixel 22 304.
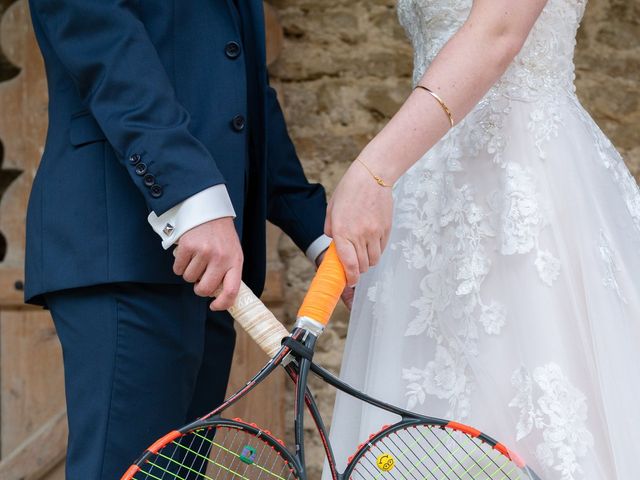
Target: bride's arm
pixel 359 213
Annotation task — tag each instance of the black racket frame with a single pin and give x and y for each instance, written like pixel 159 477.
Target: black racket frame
pixel 296 356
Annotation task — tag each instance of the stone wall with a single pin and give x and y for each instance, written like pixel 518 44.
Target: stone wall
pixel 346 68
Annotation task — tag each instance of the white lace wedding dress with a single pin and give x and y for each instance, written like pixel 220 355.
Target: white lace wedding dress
pixel 509 295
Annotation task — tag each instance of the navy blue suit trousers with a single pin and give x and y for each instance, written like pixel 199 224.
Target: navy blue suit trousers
pixel 140 360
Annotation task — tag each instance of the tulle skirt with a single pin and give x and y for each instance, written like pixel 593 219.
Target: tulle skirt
pixel 509 295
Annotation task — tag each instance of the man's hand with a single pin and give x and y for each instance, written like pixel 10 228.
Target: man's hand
pixel 210 256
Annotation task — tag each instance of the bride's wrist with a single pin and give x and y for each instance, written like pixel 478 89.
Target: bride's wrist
pixel 385 156
pixel 382 170
pixel 364 168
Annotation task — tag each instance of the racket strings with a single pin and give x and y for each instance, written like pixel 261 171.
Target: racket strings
pixel 428 452
pixel 192 440
pixel 173 463
pixel 452 453
pixel 217 454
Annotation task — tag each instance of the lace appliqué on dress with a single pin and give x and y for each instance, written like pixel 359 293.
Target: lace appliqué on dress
pixel 611 268
pixel 451 232
pixel 544 64
pixel 544 124
pixel 443 377
pixel 450 235
pixel 551 405
pixel 523 220
pixel 611 160
pixel 446 237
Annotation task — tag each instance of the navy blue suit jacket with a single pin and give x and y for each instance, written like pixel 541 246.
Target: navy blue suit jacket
pixel 150 102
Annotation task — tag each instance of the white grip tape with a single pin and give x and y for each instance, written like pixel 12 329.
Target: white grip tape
pixel 256 319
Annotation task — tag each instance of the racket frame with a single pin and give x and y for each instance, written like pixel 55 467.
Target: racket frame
pixel 298 368
pixel 407 418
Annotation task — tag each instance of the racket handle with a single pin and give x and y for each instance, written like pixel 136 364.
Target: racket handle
pixel 256 319
pixel 326 289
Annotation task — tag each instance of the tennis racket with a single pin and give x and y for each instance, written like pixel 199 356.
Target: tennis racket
pixel 416 447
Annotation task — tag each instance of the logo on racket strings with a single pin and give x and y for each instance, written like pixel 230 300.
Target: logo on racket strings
pixel 385 462
pixel 248 455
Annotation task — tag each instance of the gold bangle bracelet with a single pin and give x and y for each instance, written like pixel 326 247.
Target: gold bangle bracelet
pixel 440 101
pixel 378 180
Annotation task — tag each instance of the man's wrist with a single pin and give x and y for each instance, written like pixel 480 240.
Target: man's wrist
pixel 209 204
pixel 320 257
pixel 317 248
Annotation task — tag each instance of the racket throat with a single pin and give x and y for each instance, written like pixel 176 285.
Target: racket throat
pixel 310 325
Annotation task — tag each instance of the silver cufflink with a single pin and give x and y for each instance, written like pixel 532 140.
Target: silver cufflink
pixel 168 229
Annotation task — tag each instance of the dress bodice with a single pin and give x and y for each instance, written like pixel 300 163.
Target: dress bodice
pixel 544 65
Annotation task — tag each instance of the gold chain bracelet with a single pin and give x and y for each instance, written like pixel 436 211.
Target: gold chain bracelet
pixel 378 179
pixel 440 101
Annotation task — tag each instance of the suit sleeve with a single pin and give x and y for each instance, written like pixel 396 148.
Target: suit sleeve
pixel 118 73
pixel 295 205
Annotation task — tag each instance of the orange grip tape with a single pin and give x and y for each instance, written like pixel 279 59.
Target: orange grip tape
pixel 326 289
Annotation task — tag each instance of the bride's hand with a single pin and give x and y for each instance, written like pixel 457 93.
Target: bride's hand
pixel 347 297
pixel 359 220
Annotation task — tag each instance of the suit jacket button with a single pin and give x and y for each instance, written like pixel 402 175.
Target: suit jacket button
pixel 141 168
pixel 135 159
pixel 149 180
pixel 238 123
pixel 156 190
pixel 232 50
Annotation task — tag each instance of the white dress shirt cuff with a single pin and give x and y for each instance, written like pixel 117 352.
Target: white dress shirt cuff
pixel 318 246
pixel 209 204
